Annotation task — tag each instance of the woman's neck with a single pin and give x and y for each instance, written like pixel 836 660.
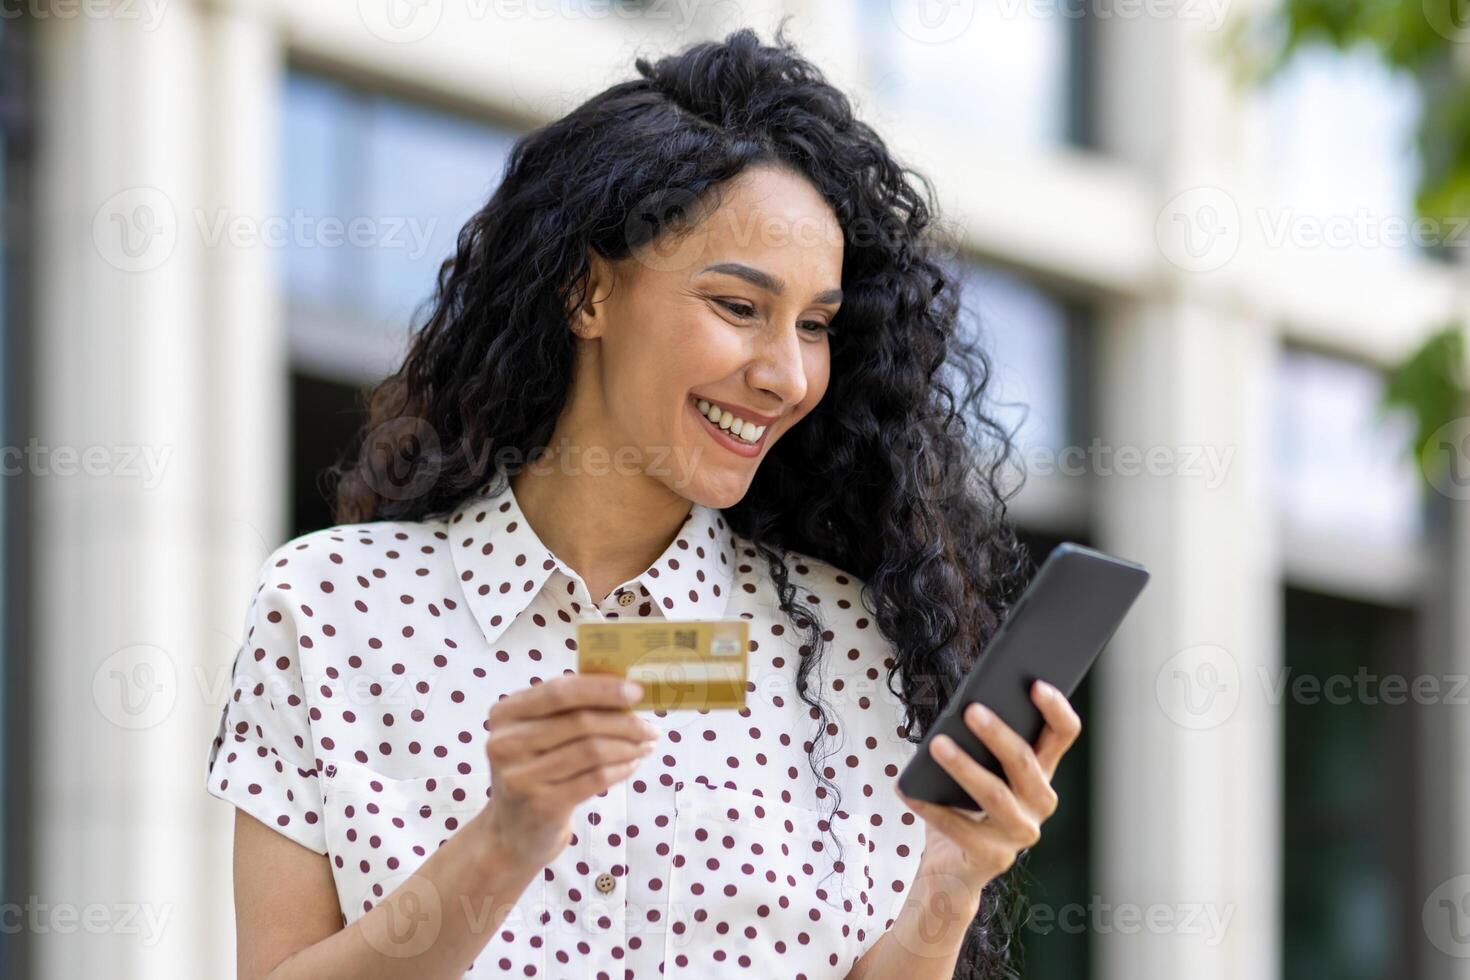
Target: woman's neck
pixel 608 527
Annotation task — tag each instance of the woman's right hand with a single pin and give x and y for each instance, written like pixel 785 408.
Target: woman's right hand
pixel 551 746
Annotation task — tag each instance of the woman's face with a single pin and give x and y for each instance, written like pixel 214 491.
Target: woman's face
pixel 735 315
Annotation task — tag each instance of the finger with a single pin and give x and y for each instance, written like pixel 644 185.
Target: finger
pixel 1062 726
pixel 536 735
pixel 565 693
pixel 981 840
pixel 964 831
pixel 569 793
pixel 575 758
pixel 1016 757
pixel 984 787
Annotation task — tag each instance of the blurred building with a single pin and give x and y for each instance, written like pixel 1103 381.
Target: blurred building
pixel 221 216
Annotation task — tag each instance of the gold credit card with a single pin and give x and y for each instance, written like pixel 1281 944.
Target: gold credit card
pixel 695 664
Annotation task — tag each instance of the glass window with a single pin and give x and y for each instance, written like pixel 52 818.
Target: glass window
pixel 377 189
pixel 1325 164
pixel 1348 792
pixel 17 129
pixel 406 177
pixel 1027 333
pixel 1057 874
pixel 997 71
pixel 1329 439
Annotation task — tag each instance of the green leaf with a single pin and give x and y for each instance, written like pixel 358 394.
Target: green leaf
pixel 1431 384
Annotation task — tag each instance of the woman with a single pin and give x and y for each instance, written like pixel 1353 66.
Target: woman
pixel 695 359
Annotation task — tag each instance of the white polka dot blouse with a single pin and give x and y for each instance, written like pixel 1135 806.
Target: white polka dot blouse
pixel 373 652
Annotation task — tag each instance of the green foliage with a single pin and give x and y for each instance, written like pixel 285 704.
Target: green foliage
pixel 1429 39
pixel 1431 384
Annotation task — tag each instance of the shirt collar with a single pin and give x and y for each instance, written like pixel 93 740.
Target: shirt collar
pixel 503 565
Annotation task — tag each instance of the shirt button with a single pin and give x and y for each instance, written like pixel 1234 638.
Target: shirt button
pixel 605 883
pixel 625 598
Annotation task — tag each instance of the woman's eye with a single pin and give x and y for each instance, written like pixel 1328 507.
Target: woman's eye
pixel 745 311
pixel 739 309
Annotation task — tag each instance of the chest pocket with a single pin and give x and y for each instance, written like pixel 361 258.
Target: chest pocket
pixel 380 830
pixel 757 889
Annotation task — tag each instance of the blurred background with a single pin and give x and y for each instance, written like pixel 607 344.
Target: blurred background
pixel 1216 248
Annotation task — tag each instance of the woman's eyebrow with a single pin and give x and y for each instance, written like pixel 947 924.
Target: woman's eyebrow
pixel 764 280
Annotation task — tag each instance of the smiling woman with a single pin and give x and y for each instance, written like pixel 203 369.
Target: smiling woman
pixel 696 358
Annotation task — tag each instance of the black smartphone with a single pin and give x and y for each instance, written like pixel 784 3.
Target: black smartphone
pixel 1066 616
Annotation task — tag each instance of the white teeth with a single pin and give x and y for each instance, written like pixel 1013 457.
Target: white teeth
pixel 738 427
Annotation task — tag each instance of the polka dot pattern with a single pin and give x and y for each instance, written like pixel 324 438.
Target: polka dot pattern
pixel 373 652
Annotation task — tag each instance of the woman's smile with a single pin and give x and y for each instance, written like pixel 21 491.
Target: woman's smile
pixel 736 434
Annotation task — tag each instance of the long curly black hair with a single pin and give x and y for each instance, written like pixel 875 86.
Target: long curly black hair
pixel 899 469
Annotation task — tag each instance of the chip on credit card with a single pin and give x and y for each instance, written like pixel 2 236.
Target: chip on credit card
pixel 688 665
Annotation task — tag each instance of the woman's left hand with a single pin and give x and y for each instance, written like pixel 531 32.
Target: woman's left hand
pixel 958 847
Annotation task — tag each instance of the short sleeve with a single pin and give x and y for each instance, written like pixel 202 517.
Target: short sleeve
pixel 262 757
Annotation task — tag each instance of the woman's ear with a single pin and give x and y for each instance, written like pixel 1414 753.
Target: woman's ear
pixel 589 318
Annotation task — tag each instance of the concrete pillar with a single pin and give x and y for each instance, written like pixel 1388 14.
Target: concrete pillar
pixel 1438 913
pixel 159 365
pixel 1186 777
pixel 248 408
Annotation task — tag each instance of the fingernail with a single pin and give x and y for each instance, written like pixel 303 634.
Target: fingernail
pixel 943 746
pixel 1047 690
pixel 981 713
pixel 632 690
